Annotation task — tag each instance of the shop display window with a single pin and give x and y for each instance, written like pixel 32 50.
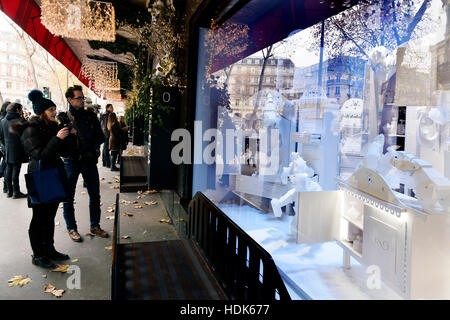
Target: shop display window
pixel 334 158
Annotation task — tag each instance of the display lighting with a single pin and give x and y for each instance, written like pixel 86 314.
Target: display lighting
pixel 101 74
pixel 373 202
pixel 79 19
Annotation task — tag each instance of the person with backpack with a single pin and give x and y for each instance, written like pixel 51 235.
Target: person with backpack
pixel 45 143
pixel 15 154
pixel 104 123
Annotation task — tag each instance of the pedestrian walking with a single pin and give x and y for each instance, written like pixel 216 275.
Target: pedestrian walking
pixel 115 139
pixel 45 142
pixel 3 148
pixel 106 157
pixel 89 138
pixel 15 154
pixel 124 137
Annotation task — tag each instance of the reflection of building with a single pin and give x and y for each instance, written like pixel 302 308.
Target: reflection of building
pixel 245 77
pixel 441 57
pixel 343 78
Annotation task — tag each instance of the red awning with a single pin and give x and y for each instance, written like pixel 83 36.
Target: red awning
pixel 26 14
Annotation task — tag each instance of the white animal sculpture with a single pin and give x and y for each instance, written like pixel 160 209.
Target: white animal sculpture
pixel 431 188
pixel 299 175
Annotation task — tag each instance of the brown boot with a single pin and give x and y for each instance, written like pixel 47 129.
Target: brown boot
pixel 74 235
pixel 99 232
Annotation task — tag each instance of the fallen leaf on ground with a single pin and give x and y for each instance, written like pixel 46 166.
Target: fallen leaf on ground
pixel 139 192
pixel 61 268
pixel 44 276
pixel 115 187
pixel 108 248
pixel 127 214
pixel 164 220
pixel 58 293
pixel 83 192
pixel 49 288
pixel 24 281
pixel 110 182
pixel 18 281
pixel 57 223
pixel 102 179
pixel 150 203
pixel 75 260
pixel 135 201
pixel 125 237
pixel 138 206
pixel 150 191
pixel 110 209
pixel 145 231
pixel 110 217
pixel 116 177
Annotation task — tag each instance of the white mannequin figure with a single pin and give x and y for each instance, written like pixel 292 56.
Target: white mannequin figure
pixel 299 175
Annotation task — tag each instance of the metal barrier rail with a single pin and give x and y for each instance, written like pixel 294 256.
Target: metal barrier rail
pixel 115 244
pixel 242 267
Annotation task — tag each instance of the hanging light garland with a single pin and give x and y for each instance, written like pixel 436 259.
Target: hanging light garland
pixel 102 75
pixel 80 19
pixel 113 95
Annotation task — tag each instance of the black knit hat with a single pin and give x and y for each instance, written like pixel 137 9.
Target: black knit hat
pixel 40 104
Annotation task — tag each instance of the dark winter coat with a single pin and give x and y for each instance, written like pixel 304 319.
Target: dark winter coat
pixel 41 144
pixel 104 123
pixel 88 127
pixel 115 138
pixel 15 153
pixel 124 136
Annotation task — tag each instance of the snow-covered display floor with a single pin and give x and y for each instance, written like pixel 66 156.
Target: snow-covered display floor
pixel 309 270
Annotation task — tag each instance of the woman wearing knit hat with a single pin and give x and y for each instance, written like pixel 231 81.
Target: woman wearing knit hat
pixel 45 143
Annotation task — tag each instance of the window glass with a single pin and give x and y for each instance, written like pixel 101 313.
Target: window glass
pixel 338 163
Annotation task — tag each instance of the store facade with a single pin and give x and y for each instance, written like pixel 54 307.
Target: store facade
pixel 322 130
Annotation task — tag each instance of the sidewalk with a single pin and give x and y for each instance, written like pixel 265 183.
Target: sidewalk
pixel 94 261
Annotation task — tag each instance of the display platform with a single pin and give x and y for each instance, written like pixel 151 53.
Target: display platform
pixel 311 271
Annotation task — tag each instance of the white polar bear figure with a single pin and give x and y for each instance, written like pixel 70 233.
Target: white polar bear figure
pixel 299 175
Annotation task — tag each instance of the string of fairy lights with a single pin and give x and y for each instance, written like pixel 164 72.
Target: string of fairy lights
pixel 80 19
pixel 91 20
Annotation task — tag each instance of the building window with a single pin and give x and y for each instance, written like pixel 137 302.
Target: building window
pixel 8 85
pixel 337 91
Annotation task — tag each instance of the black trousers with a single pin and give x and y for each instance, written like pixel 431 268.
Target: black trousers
pixel 114 155
pixel 12 177
pixel 42 229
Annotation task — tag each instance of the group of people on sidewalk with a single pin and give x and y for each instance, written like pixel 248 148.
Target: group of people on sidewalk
pixel 71 141
pixel 116 138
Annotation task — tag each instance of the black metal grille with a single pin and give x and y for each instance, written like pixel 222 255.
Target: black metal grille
pixel 243 268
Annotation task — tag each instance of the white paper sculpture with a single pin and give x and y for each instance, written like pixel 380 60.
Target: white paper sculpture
pixel 299 175
pixel 431 188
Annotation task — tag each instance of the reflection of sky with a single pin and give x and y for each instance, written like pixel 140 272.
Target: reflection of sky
pixel 293 47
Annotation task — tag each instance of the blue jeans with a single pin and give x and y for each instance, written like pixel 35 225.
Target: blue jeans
pixel 105 154
pixel 90 175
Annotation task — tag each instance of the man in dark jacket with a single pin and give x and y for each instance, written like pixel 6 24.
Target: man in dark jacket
pixel 15 155
pixel 2 148
pixel 104 122
pixel 84 162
